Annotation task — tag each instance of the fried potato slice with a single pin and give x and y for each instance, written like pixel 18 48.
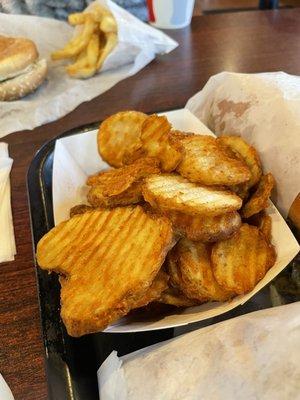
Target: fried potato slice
pixel 195 271
pixel 240 262
pixel 248 154
pixel 118 134
pixel 205 229
pixel 263 222
pixel 154 292
pixel 122 186
pixel 260 198
pixel 80 209
pixel 208 163
pixel 115 181
pixel 241 190
pixel 109 258
pixel 132 195
pixel 170 192
pixel 159 143
pixel 175 298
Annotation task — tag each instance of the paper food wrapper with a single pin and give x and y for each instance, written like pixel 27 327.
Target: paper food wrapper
pixel 5 392
pixel 138 43
pixel 76 157
pixel 265 110
pixel 255 356
pixel 7 237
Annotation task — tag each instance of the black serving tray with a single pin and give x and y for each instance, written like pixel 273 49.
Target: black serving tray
pixel 72 363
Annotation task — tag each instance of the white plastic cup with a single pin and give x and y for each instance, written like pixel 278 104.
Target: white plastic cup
pixel 170 14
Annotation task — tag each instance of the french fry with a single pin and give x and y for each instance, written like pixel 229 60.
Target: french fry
pixel 76 19
pixel 99 12
pixel 81 62
pixel 93 50
pixel 111 41
pixel 83 72
pixel 93 43
pixel 78 44
pixel 108 24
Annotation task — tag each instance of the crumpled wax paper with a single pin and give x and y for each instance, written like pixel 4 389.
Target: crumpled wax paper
pixel 138 43
pixel 255 356
pixel 265 110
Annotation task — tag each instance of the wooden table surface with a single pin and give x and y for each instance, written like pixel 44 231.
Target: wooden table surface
pixel 241 42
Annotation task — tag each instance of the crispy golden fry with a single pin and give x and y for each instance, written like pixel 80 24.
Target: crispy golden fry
pixel 110 258
pixel 85 66
pixel 171 267
pixel 81 62
pixel 77 18
pixel 82 72
pixel 111 40
pixel 108 24
pixel 241 190
pixel 118 134
pixel 266 227
pixel 175 298
pixel 94 42
pixel 208 163
pixel 240 262
pixel 80 209
pixel 248 154
pixel 116 181
pixel 154 292
pixel 158 142
pixel 122 186
pixel 132 195
pixel 99 12
pixel 194 276
pixel 263 222
pixel 205 229
pixel 93 50
pixel 79 43
pixel 170 192
pixel 260 198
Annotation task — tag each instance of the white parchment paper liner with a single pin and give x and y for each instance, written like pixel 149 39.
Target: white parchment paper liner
pixel 7 237
pixel 265 110
pixel 254 356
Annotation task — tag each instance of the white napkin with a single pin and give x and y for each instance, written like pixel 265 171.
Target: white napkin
pixel 7 237
pixel 5 392
pixel 265 110
pixel 255 356
pixel 138 43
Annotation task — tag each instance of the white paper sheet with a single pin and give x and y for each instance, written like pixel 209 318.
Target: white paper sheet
pixel 60 94
pixel 7 238
pixel 254 356
pixel 265 110
pixel 76 157
pixel 5 392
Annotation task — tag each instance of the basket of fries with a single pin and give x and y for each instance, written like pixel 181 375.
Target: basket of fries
pixel 95 38
pixel 104 31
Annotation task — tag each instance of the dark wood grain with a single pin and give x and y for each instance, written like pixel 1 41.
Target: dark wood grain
pixel 242 42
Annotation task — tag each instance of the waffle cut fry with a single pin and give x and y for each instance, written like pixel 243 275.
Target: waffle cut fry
pixel 96 37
